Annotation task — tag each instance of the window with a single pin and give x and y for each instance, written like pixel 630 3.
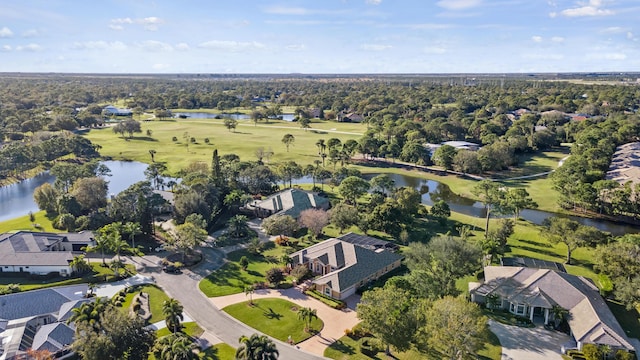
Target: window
pixel 518 309
pixel 327 291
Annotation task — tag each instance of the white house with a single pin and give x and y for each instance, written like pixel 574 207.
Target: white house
pixel 41 253
pixel 112 110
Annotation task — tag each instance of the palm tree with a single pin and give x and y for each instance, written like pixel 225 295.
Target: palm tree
pixel 176 346
pixel 307 314
pixel 152 153
pixel 248 291
pixel 559 314
pixel 79 264
pixel 172 310
pixel 88 312
pixel 256 347
pixel 102 244
pixel 238 225
pixel 133 229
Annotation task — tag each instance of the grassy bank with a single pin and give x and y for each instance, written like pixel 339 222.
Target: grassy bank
pixel 25 223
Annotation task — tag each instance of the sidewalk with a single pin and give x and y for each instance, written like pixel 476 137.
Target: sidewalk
pixel 335 321
pixel 110 289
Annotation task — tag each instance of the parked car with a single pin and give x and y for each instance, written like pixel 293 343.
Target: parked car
pixel 171 269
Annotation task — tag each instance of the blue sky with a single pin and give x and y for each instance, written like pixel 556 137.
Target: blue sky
pixel 320 36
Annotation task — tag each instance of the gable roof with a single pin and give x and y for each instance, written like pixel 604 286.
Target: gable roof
pixel 29 248
pixel 53 337
pixel 292 202
pixel 367 242
pixel 591 320
pixel 353 263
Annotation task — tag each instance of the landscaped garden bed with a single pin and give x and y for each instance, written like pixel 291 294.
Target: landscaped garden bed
pixel 329 301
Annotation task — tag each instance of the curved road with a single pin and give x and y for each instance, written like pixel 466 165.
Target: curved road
pixel 184 288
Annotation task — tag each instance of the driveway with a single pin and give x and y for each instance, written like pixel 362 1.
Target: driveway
pixel 520 343
pixel 335 321
pixel 218 326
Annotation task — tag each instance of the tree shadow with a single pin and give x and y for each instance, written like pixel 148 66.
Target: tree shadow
pixel 272 314
pixel 343 348
pixel 143 138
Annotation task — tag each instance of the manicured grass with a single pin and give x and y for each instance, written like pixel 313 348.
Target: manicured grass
pixel 190 328
pixel 156 298
pixel 99 274
pixel 220 351
pixel 244 142
pixel 24 223
pixel 347 348
pixel 275 317
pixel 231 279
pixel 628 319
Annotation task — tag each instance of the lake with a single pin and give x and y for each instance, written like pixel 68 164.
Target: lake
pixel 433 191
pixel 17 199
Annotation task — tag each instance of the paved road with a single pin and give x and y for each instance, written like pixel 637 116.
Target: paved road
pixel 184 288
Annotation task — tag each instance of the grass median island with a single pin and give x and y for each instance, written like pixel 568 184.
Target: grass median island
pixel 231 279
pixel 275 317
pixel 156 298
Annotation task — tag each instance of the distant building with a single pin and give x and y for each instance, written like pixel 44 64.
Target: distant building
pixel 41 253
pixel 459 145
pixel 114 111
pixel 349 117
pixel 290 202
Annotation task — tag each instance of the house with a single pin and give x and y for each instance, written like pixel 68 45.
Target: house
pixel 458 145
pixel 533 293
pixel 111 110
pixel 349 117
pixel 167 205
pixel 41 253
pixel 37 320
pixel 290 202
pixel 342 267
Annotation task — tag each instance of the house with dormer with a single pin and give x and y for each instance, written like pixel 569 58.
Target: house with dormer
pixel 533 293
pixel 341 267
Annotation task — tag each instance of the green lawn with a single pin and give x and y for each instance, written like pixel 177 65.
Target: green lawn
pixel 231 279
pixel 220 351
pixel 156 298
pixel 347 348
pixel 275 317
pixel 244 142
pixel 24 223
pixel 190 328
pixel 99 274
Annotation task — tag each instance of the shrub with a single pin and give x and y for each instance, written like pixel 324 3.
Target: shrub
pixel 244 262
pixel 370 346
pixel 193 140
pixel 591 352
pixel 282 240
pixel 624 355
pixel 174 139
pixel 118 303
pixel 300 272
pixel 206 140
pixel 329 301
pixel 275 276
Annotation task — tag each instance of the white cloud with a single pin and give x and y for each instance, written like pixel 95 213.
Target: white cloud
pixel 160 66
pixel 5 48
pixel 182 46
pixel 154 46
pixel 536 38
pixel 231 45
pixel 29 47
pixel 375 47
pixel 150 23
pixel 281 10
pixel 435 50
pixel 553 14
pixel 122 21
pixel 607 56
pixel 116 27
pixel 592 8
pixel 295 47
pixel 613 30
pixel 30 33
pixel 540 56
pixel 373 2
pixel 5 32
pixel 100 45
pixel 557 39
pixel 458 4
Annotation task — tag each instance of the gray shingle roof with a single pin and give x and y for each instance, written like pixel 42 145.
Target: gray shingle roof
pixel 28 248
pixel 38 302
pixel 353 263
pixel 292 202
pixel 591 320
pixel 53 337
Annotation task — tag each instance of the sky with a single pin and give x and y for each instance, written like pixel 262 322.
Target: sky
pixel 319 36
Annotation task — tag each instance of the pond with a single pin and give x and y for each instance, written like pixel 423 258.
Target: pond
pixel 203 115
pixel 17 199
pixel 433 191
